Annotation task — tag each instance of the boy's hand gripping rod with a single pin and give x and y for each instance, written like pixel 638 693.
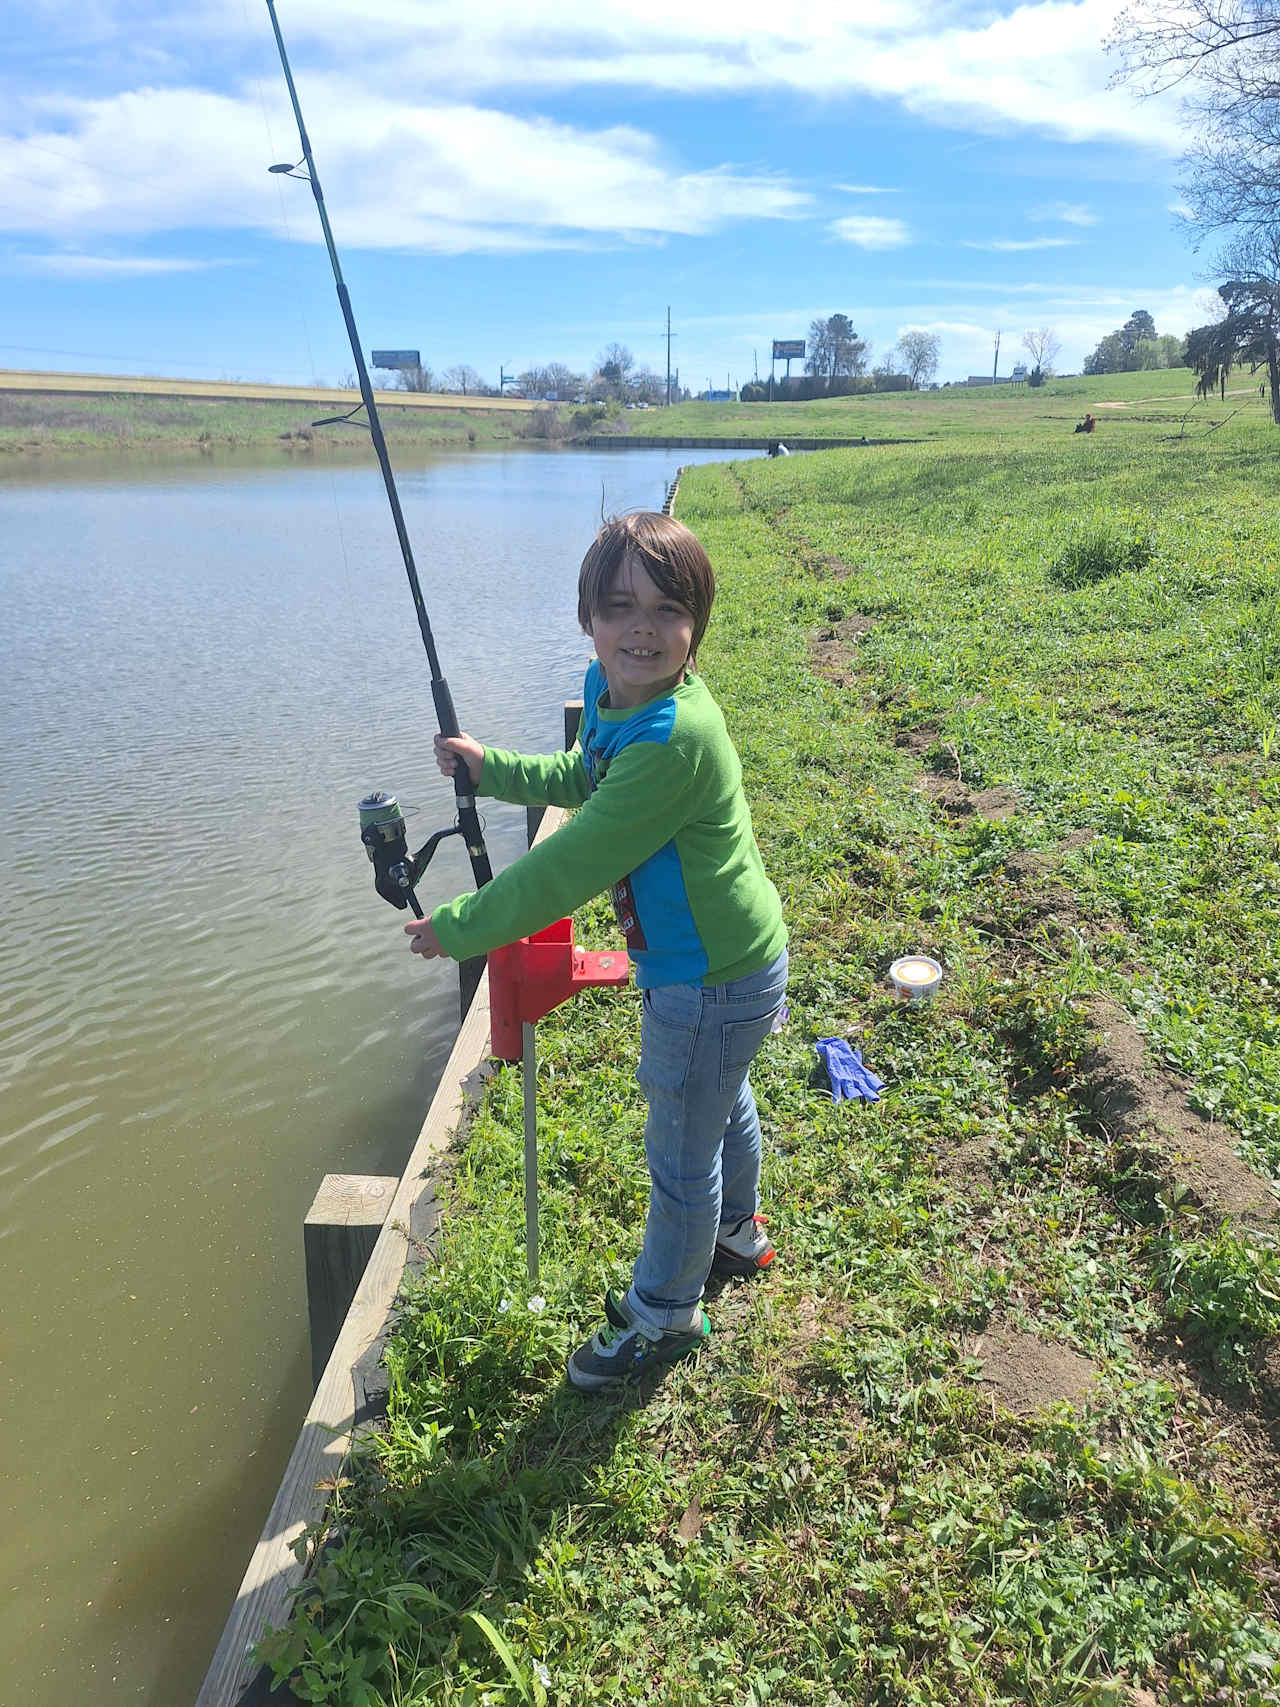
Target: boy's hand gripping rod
pixel 381 824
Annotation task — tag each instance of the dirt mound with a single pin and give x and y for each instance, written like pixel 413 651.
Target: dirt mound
pixel 1140 1101
pixel 957 800
pixel 1024 1373
pixel 917 740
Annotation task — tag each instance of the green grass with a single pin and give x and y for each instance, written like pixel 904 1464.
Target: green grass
pixel 828 1507
pixel 1164 396
pixel 53 423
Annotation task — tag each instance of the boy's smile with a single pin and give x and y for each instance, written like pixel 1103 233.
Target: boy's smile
pixel 642 637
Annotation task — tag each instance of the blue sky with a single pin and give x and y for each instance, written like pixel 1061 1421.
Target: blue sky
pixel 511 184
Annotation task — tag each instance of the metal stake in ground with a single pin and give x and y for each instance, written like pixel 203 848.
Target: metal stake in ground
pixel 528 1056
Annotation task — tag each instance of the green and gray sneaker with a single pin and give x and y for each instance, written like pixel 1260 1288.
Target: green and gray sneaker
pixel 618 1353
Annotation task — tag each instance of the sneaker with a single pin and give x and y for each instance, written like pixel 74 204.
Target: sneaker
pixel 742 1247
pixel 617 1311
pixel 616 1354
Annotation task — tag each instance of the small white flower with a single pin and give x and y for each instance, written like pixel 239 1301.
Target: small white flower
pixel 537 1304
pixel 542 1674
pixel 504 1306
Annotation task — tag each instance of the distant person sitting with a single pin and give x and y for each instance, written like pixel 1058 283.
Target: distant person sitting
pixel 1087 425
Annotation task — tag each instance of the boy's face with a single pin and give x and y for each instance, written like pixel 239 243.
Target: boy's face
pixel 642 637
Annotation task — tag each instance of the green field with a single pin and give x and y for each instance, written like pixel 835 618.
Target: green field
pixel 1000 1426
pixel 53 423
pixel 1163 396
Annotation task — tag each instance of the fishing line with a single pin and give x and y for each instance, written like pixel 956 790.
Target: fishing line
pixel 382 827
pixel 359 642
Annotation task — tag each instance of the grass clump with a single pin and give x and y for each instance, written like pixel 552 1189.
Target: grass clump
pixel 1101 549
pixel 952 1451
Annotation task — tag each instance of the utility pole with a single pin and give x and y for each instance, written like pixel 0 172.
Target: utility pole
pixel 669 355
pixel 995 365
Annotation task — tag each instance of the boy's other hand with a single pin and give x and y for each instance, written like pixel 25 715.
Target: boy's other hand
pixel 423 940
pixel 453 750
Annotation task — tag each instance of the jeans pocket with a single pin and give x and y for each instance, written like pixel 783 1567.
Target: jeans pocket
pixel 668 1035
pixel 740 1042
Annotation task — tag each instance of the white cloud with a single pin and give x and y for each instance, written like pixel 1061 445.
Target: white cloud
pixel 1080 315
pixel 865 189
pixel 869 232
pixel 110 266
pixel 1039 67
pixel 1069 213
pixel 438 177
pixel 1017 245
pixel 1181 210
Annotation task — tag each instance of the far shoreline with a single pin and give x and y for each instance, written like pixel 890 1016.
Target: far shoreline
pixel 50 415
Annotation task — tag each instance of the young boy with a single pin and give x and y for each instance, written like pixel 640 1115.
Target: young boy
pixel 664 824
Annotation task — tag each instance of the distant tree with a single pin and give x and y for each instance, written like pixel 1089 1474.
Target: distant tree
pixel 919 351
pixel 563 381
pixel 645 386
pixel 1107 358
pixel 835 349
pixel 463 378
pixel 1249 331
pixel 1118 351
pixel 1041 344
pixel 415 379
pixel 1159 352
pixel 1138 328
pixel 1226 54
pixel 613 367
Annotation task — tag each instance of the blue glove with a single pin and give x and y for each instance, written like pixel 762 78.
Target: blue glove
pixel 849 1078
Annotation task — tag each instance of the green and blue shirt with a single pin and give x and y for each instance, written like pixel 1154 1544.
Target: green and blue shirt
pixel 662 823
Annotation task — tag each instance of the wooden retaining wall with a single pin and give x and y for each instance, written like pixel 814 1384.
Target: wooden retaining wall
pixel 349 1392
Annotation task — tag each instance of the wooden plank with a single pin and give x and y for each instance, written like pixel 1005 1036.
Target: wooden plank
pixel 338 1235
pixel 322 1446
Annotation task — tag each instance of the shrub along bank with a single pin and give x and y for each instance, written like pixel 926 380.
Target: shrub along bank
pixel 1000 1424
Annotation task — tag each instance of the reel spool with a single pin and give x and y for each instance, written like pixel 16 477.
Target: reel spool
pixel 382 830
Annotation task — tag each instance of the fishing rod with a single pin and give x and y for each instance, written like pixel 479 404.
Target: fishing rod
pixel 382 826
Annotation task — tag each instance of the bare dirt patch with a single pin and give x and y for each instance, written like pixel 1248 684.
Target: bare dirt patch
pixel 957 800
pixel 917 740
pixel 1140 1101
pixel 1024 1373
pixel 833 568
pixel 965 1166
pixel 832 650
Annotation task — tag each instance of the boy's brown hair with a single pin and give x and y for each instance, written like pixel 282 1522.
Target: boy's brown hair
pixel 670 555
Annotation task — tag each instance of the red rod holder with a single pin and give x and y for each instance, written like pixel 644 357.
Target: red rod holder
pixel 529 977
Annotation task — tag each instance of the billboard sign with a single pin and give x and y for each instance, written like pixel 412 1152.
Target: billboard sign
pixel 787 349
pixel 395 358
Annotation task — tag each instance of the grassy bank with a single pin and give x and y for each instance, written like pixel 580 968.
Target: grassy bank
pixel 1001 1425
pixel 54 425
pixel 1119 400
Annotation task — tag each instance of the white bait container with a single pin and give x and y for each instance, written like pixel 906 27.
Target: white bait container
pixel 915 978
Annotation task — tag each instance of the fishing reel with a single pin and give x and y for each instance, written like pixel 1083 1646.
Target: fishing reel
pixel 395 871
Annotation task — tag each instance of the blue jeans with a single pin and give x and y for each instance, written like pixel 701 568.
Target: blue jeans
pixel 702 1137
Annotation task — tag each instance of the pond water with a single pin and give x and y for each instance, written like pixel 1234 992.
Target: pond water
pixel 203 1005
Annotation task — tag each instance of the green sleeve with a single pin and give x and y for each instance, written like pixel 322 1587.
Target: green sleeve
pixel 645 798
pixel 534 779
